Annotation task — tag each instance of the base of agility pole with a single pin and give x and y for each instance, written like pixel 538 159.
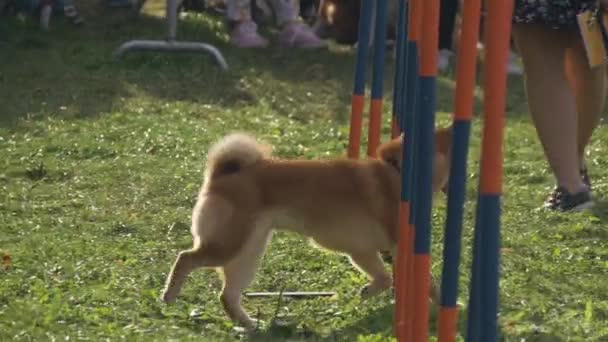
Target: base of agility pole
pixel 171 46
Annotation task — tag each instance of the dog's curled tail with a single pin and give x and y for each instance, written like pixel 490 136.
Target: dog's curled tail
pixel 233 153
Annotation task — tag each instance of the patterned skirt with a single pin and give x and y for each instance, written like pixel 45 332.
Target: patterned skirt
pixel 558 14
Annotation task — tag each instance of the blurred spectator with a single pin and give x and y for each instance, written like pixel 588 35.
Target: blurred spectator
pixel 294 32
pixel 565 95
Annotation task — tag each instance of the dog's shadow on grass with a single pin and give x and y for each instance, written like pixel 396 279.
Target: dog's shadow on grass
pixel 600 210
pixel 377 322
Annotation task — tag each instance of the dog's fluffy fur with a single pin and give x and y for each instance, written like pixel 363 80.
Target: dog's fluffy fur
pixel 347 206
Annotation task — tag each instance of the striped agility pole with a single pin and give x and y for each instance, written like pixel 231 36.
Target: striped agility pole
pixel 465 83
pixel 424 177
pixel 358 97
pixel 404 314
pixel 483 296
pixel 375 112
pixel 412 118
pixel 414 106
pixel 398 83
pixel 398 119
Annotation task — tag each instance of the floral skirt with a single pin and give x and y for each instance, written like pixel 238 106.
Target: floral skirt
pixel 558 14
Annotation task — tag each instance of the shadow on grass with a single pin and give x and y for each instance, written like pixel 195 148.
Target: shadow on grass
pixel 540 337
pixel 377 323
pixel 600 211
pixel 69 72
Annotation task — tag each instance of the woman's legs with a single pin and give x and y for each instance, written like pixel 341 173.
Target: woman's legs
pixel 589 86
pixel 551 99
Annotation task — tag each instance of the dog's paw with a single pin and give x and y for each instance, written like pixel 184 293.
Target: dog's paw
pixel 375 288
pixel 252 325
pixel 167 297
pixel 367 291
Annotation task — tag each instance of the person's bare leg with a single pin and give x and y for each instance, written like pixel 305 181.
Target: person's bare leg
pixel 589 86
pixel 551 100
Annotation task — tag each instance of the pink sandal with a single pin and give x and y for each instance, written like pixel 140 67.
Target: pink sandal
pixel 300 35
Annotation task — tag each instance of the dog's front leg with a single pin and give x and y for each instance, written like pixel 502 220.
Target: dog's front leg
pixel 371 264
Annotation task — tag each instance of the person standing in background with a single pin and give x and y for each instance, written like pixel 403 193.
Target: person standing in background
pixel 565 95
pixel 447 26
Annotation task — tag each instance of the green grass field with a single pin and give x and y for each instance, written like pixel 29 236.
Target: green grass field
pixel 100 163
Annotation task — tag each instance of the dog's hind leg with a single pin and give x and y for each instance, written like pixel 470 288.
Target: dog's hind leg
pixel 371 264
pixel 239 273
pixel 186 262
pixel 211 217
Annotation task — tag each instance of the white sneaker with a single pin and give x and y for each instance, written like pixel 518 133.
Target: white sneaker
pixel 513 68
pixel 444 59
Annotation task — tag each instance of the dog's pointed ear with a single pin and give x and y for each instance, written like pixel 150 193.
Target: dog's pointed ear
pixel 390 152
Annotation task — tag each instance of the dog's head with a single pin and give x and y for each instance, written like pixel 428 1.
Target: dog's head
pixel 391 151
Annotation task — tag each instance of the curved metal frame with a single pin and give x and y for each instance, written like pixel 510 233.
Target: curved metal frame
pixel 171 44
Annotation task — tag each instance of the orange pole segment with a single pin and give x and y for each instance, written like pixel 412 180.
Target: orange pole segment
pixel 467 60
pixel 429 42
pixel 415 20
pixel 448 319
pixel 422 283
pixel 356 122
pixel 375 123
pixel 403 253
pixel 498 32
pixel 408 291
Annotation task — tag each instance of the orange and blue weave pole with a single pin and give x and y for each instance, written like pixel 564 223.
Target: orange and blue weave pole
pixel 408 103
pixel 483 296
pixel 400 71
pixel 403 115
pixel 424 164
pixel 358 97
pixel 375 112
pixel 414 115
pixel 463 112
